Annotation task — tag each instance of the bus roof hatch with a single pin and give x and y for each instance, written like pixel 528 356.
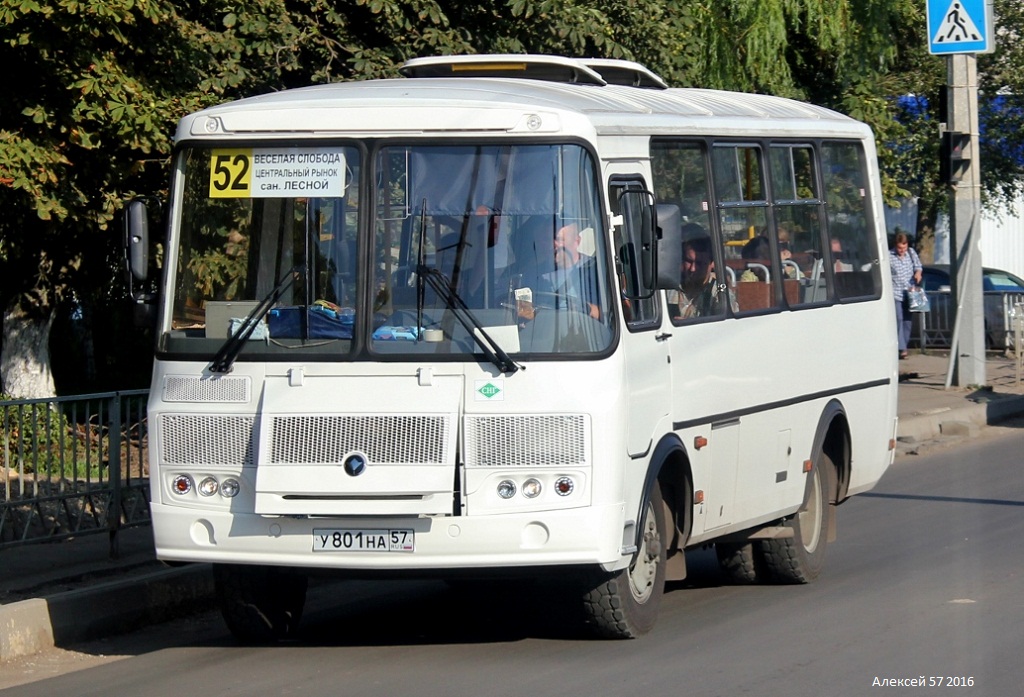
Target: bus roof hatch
pixel 582 71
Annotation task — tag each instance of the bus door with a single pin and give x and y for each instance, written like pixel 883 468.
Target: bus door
pixel 644 346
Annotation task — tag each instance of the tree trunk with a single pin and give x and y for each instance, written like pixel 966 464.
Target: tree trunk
pixel 25 356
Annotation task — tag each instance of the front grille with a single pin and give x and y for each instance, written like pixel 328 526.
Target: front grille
pixel 384 439
pixel 189 439
pixel 491 441
pixel 186 388
pixel 526 441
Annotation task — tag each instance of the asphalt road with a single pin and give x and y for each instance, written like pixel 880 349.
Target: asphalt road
pixel 924 582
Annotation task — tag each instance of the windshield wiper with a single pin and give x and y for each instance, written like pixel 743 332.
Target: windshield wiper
pixel 440 285
pixel 421 262
pixel 225 357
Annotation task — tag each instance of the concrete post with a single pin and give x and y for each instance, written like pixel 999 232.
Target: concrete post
pixel 968 359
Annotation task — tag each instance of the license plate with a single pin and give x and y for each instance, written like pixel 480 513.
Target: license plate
pixel 358 540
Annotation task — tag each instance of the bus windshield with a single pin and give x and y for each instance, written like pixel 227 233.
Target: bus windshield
pixel 465 250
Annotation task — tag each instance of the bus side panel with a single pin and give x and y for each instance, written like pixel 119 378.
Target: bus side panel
pixel 755 388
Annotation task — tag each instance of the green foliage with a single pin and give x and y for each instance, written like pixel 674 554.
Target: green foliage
pixel 93 88
pixel 1001 76
pixel 72 114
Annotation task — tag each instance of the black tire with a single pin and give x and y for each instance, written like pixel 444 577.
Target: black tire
pixel 624 605
pixel 741 563
pixel 801 558
pixel 260 604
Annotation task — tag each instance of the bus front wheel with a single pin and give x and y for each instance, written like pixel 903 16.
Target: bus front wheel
pixel 624 605
pixel 260 604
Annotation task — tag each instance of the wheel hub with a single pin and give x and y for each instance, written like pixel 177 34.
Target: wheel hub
pixel 645 569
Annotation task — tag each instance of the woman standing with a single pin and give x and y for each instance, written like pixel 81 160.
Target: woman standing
pixel 906 273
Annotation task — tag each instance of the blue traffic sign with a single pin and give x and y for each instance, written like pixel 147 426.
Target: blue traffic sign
pixel 958 26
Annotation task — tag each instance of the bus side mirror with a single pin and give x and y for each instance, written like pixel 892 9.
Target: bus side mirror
pixel 136 244
pixel 642 233
pixel 649 234
pixel 670 245
pixel 136 240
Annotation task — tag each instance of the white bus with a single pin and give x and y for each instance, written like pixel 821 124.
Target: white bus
pixel 439 326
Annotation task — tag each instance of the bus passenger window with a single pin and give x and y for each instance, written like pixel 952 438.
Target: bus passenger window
pixel 799 223
pixel 743 219
pixel 680 179
pixel 853 252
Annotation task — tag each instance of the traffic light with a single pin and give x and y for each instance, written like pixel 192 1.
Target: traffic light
pixel 954 155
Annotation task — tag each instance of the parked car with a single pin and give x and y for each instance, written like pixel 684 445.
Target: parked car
pixel 1002 290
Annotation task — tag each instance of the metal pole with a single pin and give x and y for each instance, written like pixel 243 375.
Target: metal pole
pixel 1018 338
pixel 114 432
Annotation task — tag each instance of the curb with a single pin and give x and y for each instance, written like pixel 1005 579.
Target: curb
pixel 30 626
pixel 928 425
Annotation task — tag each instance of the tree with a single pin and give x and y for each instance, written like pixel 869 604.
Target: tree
pixel 1001 108
pixel 95 87
pixel 911 150
pixel 72 110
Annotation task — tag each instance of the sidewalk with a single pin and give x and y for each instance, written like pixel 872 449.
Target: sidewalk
pixel 61 593
pixel 928 411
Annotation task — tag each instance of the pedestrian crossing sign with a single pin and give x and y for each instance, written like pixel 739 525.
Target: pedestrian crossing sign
pixel 959 26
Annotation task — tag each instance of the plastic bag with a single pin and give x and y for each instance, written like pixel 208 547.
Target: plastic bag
pixel 917 300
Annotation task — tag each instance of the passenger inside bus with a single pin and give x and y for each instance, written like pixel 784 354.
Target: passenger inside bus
pixel 839 255
pixel 699 293
pixel 756 248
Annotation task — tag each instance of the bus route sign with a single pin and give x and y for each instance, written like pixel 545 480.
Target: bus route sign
pixel 276 172
pixel 959 26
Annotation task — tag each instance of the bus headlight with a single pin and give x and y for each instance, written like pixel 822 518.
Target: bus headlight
pixel 229 488
pixel 532 488
pixel 506 488
pixel 208 487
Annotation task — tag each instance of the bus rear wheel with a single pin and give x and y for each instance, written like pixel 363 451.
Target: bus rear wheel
pixel 624 605
pixel 740 562
pixel 800 558
pixel 260 604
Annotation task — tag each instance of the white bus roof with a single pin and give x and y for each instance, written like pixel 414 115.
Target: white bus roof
pixel 499 93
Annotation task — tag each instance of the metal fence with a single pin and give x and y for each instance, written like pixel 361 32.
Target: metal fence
pixel 73 466
pixel 934 329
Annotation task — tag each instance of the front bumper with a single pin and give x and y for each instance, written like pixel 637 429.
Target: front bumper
pixel 592 535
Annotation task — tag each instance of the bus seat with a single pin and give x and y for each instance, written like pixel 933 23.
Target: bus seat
pixel 761 268
pixel 791 289
pixel 753 295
